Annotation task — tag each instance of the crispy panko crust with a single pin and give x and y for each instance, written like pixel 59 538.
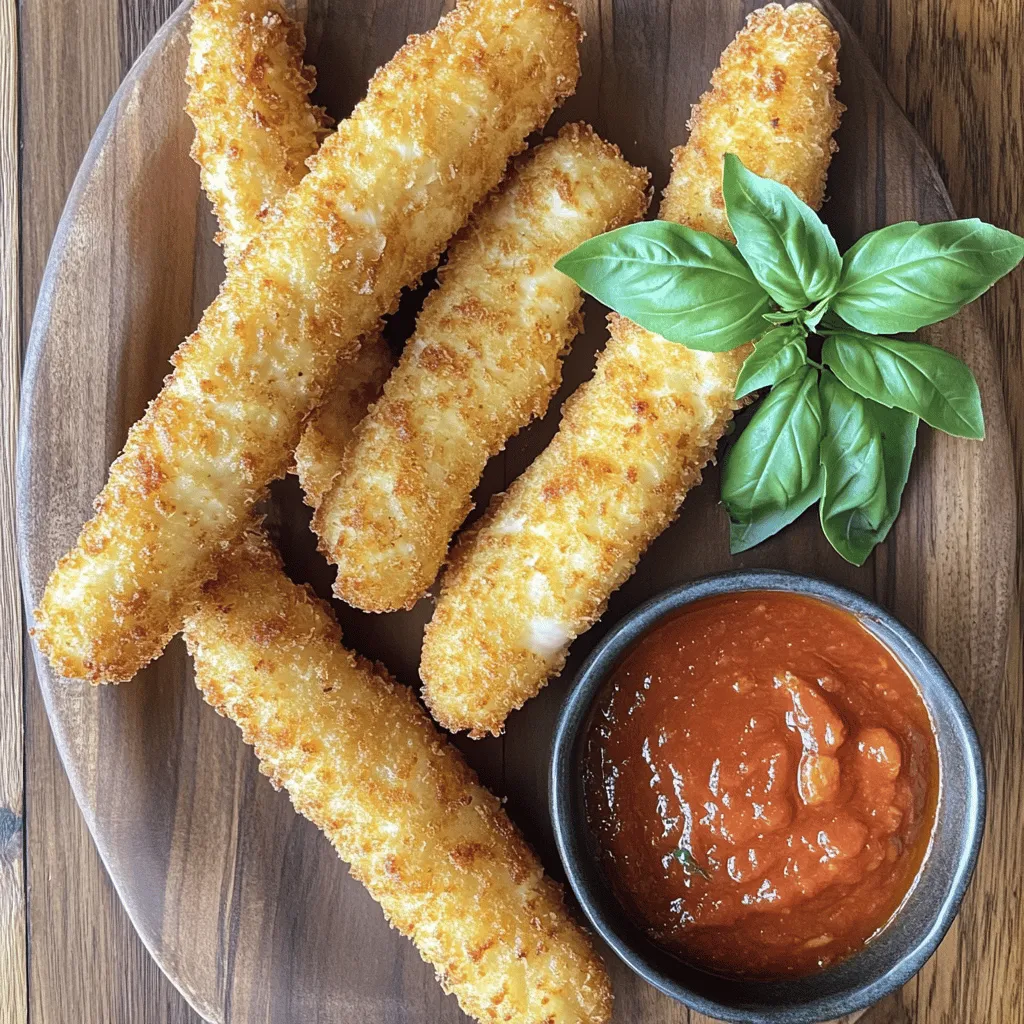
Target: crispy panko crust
pixel 381 199
pixel 772 102
pixel 485 359
pixel 362 760
pixel 249 100
pixel 329 431
pixel 539 568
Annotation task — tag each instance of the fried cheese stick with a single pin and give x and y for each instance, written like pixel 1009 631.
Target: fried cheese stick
pixel 540 567
pixel 362 760
pixel 485 359
pixel 381 199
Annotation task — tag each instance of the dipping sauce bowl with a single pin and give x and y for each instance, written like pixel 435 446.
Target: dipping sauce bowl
pixel 875 967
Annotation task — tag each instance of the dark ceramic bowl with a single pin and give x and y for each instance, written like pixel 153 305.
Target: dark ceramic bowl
pixel 892 957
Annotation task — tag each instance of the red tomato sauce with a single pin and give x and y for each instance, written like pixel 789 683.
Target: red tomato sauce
pixel 761 779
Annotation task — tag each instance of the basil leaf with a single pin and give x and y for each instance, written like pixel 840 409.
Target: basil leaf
pixel 685 285
pixel 767 523
pixel 853 492
pixel 908 375
pixel 899 438
pixel 690 863
pixel 776 356
pixel 791 252
pixel 812 317
pixel 865 459
pixel 771 472
pixel 909 275
pixel 782 317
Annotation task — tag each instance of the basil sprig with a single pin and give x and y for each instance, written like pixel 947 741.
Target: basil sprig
pixel 840 432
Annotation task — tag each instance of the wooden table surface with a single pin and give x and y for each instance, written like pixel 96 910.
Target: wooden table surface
pixel 68 953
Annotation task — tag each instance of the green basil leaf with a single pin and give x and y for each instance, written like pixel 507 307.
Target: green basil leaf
pixel 690 864
pixel 899 438
pixel 774 464
pixel 865 459
pixel 909 375
pixel 791 252
pixel 853 492
pixel 909 275
pixel 812 317
pixel 776 356
pixel 767 523
pixel 782 317
pixel 685 285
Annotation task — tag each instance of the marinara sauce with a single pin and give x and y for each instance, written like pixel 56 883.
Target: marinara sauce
pixel 761 779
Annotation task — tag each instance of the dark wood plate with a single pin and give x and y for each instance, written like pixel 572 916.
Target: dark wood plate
pixel 242 902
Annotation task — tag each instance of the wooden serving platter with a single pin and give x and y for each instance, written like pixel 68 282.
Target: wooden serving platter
pixel 241 902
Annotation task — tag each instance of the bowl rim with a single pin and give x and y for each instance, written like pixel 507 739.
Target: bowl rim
pixel 936 689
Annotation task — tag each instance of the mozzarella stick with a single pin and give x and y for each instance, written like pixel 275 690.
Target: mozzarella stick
pixel 485 359
pixel 362 760
pixel 540 567
pixel 249 100
pixel 381 199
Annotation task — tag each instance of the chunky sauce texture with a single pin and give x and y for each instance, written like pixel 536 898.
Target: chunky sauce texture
pixel 761 779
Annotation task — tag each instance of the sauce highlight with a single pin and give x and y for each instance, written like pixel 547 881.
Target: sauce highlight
pixel 761 779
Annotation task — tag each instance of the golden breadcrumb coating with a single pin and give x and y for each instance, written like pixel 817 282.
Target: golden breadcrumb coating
pixel 328 432
pixel 540 567
pixel 381 199
pixel 772 102
pixel 362 760
pixel 485 359
pixel 249 100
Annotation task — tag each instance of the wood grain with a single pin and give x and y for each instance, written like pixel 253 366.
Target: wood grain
pixel 91 928
pixel 13 947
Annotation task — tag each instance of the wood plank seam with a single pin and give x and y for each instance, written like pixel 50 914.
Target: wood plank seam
pixel 13 934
